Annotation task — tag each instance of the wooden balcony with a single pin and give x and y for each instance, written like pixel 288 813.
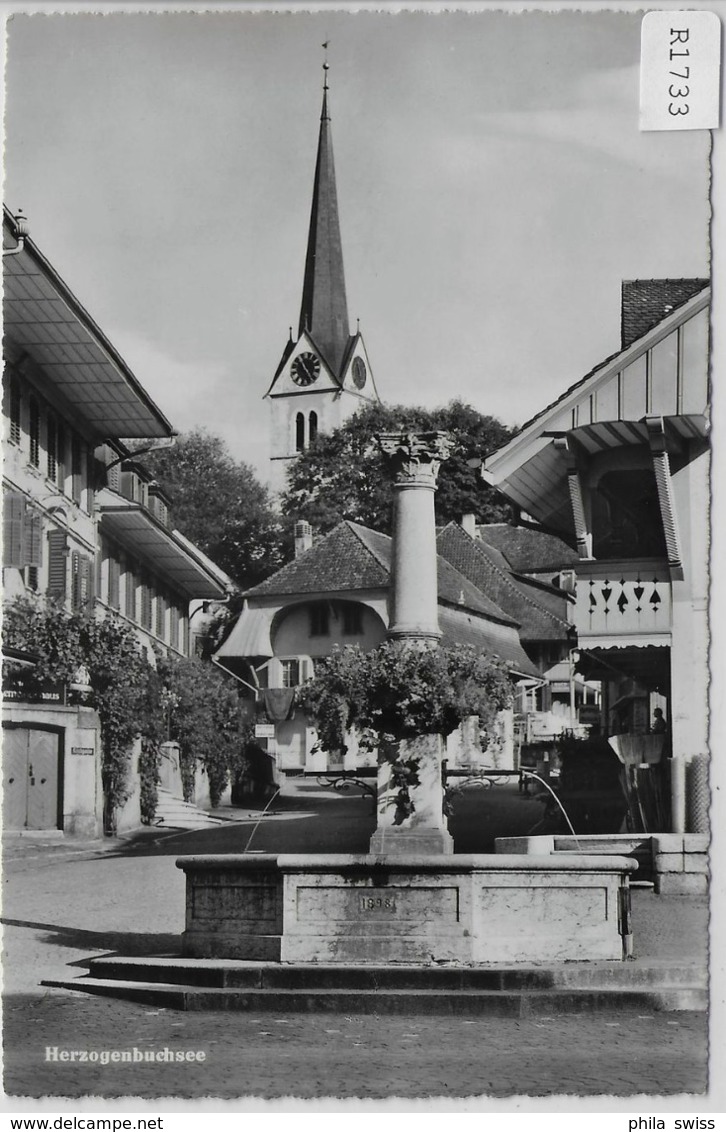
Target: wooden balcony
pixel 623 602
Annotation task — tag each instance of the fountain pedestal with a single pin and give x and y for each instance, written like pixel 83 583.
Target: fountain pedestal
pixel 416 910
pixel 424 830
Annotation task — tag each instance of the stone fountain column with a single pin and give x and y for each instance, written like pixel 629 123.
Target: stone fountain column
pixel 414 460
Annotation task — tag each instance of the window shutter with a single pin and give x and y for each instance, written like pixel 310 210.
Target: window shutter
pixel 113 477
pixel 160 615
pixel 130 590
pixel 13 529
pixel 60 456
pixel 114 575
pixel 52 448
pixel 88 578
pixel 15 413
pixel 33 551
pixel 75 581
pixel 76 470
pixel 34 430
pixel 57 554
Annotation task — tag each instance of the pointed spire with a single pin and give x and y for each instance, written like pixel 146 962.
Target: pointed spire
pixel 324 310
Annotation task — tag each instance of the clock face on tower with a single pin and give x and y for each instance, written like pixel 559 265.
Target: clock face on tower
pixel 359 373
pixel 305 369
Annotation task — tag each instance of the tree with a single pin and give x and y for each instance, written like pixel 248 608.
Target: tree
pixel 221 506
pixel 343 475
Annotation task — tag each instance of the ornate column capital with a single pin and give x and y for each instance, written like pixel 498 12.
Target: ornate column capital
pixel 415 457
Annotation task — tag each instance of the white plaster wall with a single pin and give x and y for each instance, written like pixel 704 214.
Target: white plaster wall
pixel 689 651
pixel 291 636
pixel 82 787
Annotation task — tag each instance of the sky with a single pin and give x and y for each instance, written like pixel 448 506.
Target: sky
pixel 493 184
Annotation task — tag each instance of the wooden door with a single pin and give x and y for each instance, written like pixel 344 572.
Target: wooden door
pixel 31 779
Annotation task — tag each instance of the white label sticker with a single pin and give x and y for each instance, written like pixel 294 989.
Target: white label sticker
pixel 680 62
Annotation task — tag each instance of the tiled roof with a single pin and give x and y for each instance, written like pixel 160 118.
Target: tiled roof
pixel 502 641
pixel 353 557
pixel 488 570
pixel 342 560
pixel 528 551
pixel 646 302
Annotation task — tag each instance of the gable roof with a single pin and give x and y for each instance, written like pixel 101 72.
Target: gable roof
pixel 342 560
pixel 488 570
pixel 354 557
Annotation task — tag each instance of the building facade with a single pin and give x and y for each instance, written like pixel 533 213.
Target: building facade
pixel 619 467
pixel 84 525
pixel 338 592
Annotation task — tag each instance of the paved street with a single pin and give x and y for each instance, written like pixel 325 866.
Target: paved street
pixel 64 903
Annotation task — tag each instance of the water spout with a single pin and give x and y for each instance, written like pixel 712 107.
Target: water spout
pixel 257 823
pixel 531 774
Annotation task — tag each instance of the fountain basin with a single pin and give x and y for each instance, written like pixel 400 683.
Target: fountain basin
pixel 370 909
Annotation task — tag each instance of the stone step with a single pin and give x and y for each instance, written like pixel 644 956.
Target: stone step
pixel 231 973
pixel 491 1003
pixel 175 812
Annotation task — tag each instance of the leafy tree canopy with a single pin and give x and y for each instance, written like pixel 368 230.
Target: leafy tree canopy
pixel 220 505
pixel 344 476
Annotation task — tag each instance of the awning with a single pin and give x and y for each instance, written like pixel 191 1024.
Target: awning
pixel 142 535
pixel 250 637
pixel 46 320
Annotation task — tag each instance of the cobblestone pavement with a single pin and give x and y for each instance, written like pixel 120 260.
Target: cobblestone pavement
pixel 320 1055
pixel 63 903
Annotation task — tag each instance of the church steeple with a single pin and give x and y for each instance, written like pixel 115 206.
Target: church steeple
pixel 324 310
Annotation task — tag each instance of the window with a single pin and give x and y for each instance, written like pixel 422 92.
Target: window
pixel 352 620
pixel 114 580
pixel 81 581
pixel 174 627
pixel 626 517
pixel 131 590
pixel 76 470
pixel 319 619
pixel 15 413
pixel 312 427
pixel 57 559
pixel 145 603
pixel 52 448
pixel 22 532
pixel 290 673
pixel 299 432
pixel 160 616
pixel 60 455
pixel 34 430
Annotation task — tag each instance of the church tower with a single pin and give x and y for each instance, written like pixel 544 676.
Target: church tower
pixel 324 374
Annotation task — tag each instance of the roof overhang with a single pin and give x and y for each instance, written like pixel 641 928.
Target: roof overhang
pixel 48 324
pixel 645 660
pixel 539 485
pixel 143 536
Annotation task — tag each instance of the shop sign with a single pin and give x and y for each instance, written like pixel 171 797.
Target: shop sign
pixel 48 692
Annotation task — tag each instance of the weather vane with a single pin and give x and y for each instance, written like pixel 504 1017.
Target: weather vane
pixel 326 65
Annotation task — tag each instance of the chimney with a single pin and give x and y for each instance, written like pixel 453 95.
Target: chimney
pixel 646 302
pixel 303 537
pixel 468 522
